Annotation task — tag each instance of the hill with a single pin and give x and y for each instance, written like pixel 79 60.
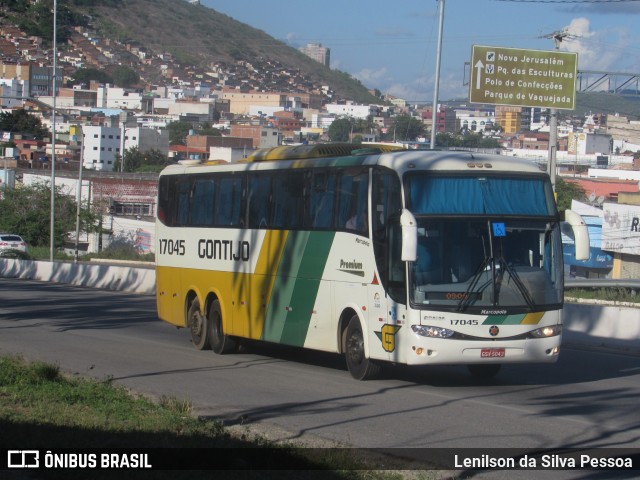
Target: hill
pixel 197 36
pixel 607 103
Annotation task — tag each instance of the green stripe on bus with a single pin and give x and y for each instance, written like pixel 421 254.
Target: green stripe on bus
pixel 504 319
pixel 282 292
pixel 305 292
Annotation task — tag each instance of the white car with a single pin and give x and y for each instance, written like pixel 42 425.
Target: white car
pixel 9 241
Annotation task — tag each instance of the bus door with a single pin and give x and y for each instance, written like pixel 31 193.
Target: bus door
pixel 387 293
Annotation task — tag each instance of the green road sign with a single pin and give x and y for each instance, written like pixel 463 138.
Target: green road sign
pixel 526 78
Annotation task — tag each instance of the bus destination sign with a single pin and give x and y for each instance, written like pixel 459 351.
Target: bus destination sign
pixel 525 78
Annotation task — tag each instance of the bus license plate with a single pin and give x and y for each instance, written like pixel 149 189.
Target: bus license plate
pixel 492 352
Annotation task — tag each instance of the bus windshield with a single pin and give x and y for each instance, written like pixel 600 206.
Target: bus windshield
pixel 480 252
pixel 466 264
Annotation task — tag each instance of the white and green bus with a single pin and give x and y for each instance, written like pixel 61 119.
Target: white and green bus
pixel 410 257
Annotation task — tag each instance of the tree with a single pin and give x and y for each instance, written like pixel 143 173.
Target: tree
pixel 85 75
pixel 137 161
pixel 206 129
pixel 446 140
pixel 124 76
pixel 21 121
pixel 25 211
pixel 567 191
pixel 178 132
pixel 406 127
pixel 340 130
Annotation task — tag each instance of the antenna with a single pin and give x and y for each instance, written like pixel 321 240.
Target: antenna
pixel 559 36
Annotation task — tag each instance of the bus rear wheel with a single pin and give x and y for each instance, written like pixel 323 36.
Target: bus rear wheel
pixel 484 371
pixel 360 366
pixel 199 326
pixel 221 343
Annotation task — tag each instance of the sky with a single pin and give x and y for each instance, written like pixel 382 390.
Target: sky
pixel 391 45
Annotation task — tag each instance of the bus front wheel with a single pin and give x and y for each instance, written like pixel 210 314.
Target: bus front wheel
pixel 221 343
pixel 360 366
pixel 199 326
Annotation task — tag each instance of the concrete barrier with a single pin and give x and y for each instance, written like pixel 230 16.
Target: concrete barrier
pixel 111 277
pixel 598 325
pixel 590 325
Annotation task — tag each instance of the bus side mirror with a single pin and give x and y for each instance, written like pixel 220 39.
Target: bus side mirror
pixel 409 236
pixel 580 232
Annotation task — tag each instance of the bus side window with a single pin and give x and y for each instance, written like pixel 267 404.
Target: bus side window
pixel 352 202
pixel 322 200
pixel 229 201
pixel 288 200
pixel 202 202
pixel 166 200
pixel 259 200
pixel 182 208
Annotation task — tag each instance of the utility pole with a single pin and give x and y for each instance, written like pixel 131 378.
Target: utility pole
pixel 553 118
pixel 79 196
pixel 434 113
pixel 53 137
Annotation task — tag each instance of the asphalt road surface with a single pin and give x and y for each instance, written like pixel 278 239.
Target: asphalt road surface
pixel 588 399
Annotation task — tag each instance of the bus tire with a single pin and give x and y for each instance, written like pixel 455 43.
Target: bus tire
pixel 484 371
pixel 360 366
pixel 199 326
pixel 221 343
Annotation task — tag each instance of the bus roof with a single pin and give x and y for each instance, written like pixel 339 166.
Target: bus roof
pixel 399 160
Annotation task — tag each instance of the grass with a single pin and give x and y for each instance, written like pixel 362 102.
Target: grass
pixel 42 408
pixel 618 295
pixel 113 253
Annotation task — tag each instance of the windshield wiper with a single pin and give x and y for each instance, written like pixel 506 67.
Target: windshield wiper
pixel 466 300
pixel 516 279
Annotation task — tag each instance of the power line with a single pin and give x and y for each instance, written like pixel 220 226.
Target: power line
pixel 568 1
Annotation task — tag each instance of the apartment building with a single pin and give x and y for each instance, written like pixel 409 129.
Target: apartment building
pixel 101 145
pixel 319 53
pixel 37 80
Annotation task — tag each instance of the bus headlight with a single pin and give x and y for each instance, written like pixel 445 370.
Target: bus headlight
pixel 433 332
pixel 549 331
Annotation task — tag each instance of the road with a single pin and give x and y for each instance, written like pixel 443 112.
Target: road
pixel 587 399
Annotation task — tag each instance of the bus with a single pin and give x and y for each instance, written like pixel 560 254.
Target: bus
pixel 384 256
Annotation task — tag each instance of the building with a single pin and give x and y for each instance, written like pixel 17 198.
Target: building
pixel 445 119
pixel 261 136
pixel 145 139
pixel 101 145
pixel 600 263
pixel 621 235
pixel 509 118
pixel 287 123
pixel 585 143
pixel 196 111
pixel 38 80
pixel 319 53
pixel 108 96
pixel 240 102
pixel 12 92
pixel 621 128
pixel 531 141
pixel 127 204
pixel 351 109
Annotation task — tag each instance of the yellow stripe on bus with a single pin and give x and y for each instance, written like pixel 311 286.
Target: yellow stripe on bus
pixel 261 283
pixel 532 318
